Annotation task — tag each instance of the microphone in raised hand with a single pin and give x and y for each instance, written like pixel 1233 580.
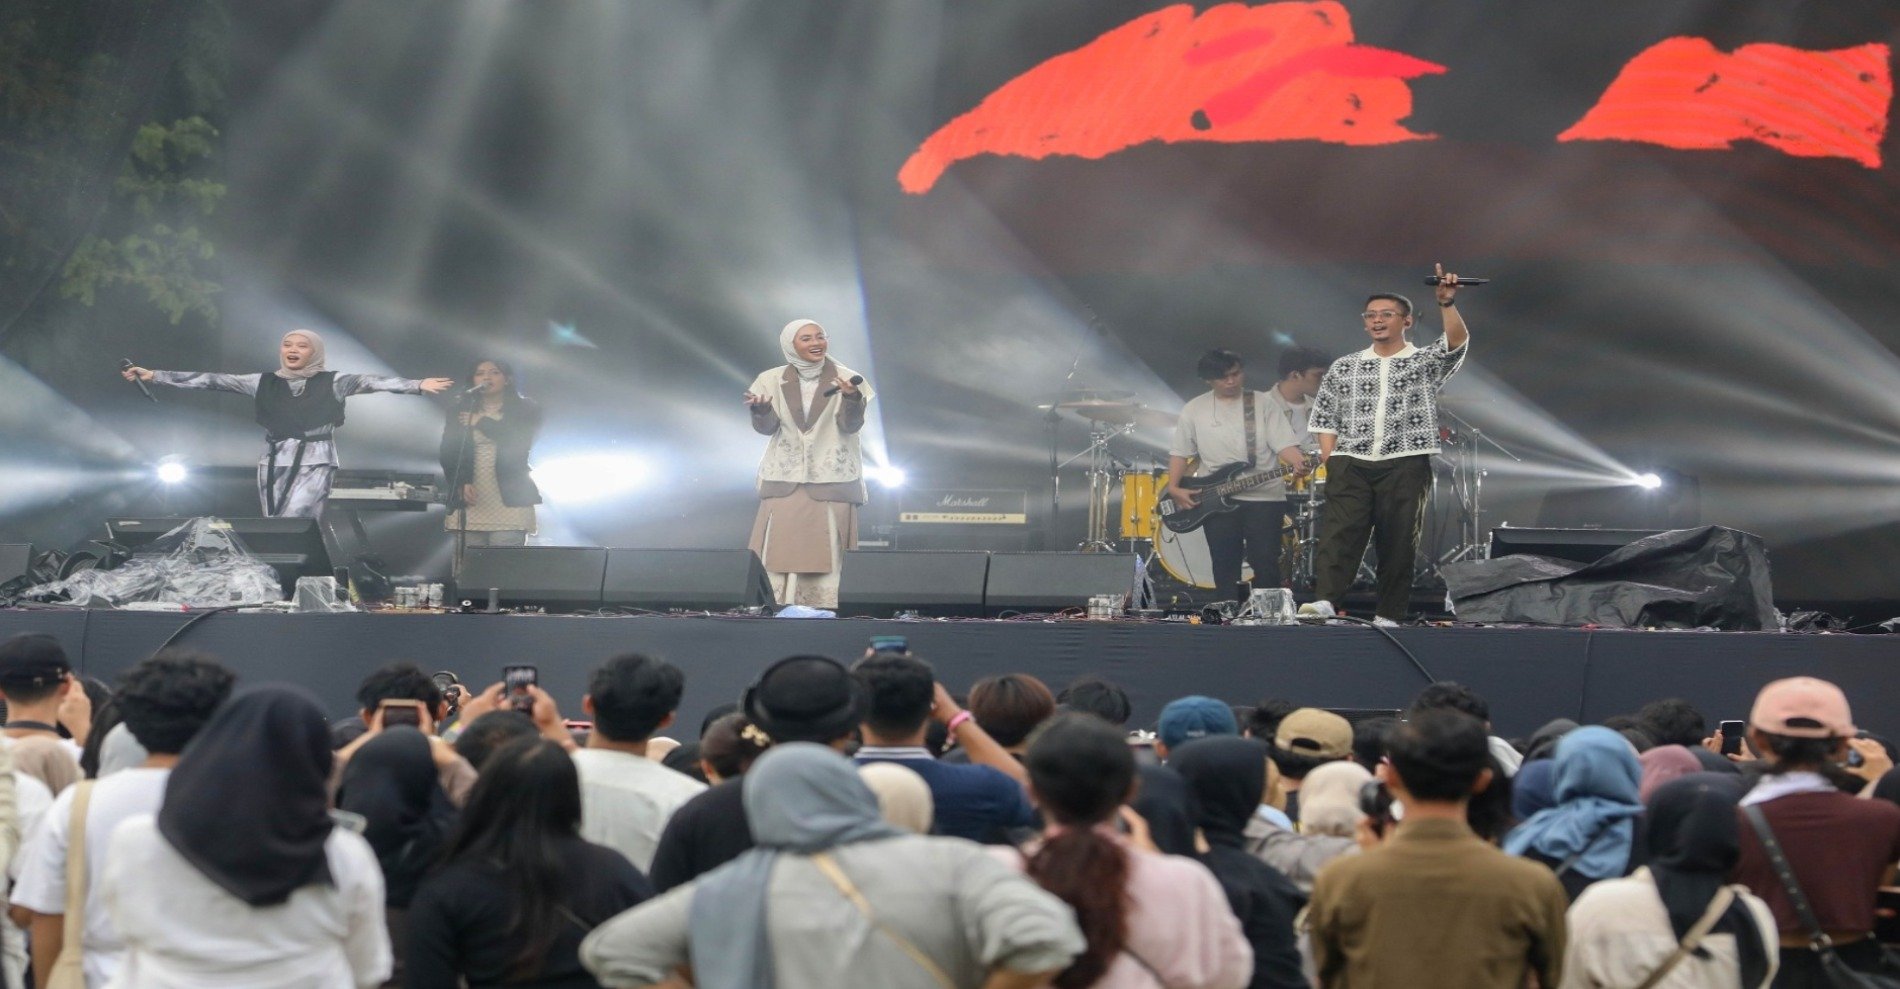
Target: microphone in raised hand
pixel 856 380
pixel 127 365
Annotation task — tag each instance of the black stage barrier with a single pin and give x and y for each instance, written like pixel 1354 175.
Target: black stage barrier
pixel 1528 675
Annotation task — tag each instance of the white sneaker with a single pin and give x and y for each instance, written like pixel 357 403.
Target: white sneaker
pixel 1383 622
pixel 1317 609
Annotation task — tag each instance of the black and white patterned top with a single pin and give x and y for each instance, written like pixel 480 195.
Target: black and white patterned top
pixel 1382 408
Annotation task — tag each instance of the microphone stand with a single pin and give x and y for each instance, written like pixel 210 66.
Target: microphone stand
pixel 1472 520
pixel 469 401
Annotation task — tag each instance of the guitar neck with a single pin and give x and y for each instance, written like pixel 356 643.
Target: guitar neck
pixel 1240 484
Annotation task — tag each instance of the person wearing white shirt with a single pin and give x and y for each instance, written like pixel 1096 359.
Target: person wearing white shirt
pixel 31 798
pixel 165 701
pixel 626 798
pixel 243 879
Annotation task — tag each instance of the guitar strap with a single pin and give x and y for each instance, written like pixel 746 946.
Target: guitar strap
pixel 1246 417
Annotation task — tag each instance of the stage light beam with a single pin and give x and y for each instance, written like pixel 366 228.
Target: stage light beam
pixel 172 470
pixel 591 477
pixel 1648 481
pixel 887 476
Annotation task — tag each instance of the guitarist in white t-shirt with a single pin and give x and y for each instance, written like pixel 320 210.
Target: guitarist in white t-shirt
pixel 1230 424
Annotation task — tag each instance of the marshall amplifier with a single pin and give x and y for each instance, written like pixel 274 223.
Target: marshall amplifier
pixel 962 518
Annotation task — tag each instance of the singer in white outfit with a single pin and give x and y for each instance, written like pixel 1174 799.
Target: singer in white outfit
pixel 811 479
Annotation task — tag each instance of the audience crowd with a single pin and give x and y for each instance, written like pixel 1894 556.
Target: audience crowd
pixel 862 827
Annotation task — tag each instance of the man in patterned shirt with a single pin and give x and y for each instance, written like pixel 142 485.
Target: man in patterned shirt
pixel 1376 418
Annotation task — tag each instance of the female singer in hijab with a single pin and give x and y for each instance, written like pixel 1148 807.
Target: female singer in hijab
pixel 242 879
pixel 1590 833
pixel 1621 930
pixel 811 479
pixel 1225 774
pixel 484 454
pixel 855 903
pixel 392 782
pixel 521 887
pixel 300 406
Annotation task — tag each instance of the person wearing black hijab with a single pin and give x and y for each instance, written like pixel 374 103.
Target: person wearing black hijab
pixel 1226 777
pixel 1622 930
pixel 242 879
pixel 393 783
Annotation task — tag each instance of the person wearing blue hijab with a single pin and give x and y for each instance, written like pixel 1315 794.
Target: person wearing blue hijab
pixel 1591 831
pixel 1534 788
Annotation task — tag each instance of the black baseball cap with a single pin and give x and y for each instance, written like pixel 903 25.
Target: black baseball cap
pixel 805 699
pixel 34 659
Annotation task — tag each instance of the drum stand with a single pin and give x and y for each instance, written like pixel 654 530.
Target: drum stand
pixel 1102 465
pixel 1467 486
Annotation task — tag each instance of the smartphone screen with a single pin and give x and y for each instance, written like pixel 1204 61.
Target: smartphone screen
pixel 1732 732
pixel 515 683
pixel 402 713
pixel 890 643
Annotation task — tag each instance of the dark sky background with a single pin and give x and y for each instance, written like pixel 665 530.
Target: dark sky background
pixel 433 182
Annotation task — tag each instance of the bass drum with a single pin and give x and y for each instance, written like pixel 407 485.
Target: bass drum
pixel 1184 556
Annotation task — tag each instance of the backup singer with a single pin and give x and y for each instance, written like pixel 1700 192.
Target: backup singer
pixel 1376 417
pixel 1229 424
pixel 485 446
pixel 811 480
pixel 300 405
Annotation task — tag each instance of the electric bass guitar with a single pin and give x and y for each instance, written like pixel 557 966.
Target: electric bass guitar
pixel 1216 492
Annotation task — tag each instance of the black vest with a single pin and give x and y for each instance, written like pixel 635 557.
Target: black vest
pixel 290 417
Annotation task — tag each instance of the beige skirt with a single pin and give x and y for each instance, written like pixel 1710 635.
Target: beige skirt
pixel 796 534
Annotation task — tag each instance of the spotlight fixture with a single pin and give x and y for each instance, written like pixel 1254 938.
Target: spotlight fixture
pixel 887 476
pixel 1648 482
pixel 172 470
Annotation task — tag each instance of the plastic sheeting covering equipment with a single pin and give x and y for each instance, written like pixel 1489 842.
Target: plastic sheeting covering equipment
pixel 200 564
pixel 1711 577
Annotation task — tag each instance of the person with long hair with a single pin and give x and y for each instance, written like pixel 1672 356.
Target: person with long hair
pixel 833 896
pixel 519 887
pixel 1150 919
pixel 485 446
pixel 300 406
pixel 242 878
pixel 811 479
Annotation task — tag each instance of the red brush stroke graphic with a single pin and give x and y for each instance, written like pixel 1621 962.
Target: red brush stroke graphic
pixel 1683 93
pixel 1276 72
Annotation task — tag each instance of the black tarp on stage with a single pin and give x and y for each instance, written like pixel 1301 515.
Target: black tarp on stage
pixel 1529 675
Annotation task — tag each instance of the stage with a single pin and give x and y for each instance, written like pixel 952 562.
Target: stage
pixel 1530 675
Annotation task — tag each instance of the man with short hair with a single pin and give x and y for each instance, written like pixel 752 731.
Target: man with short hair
pixel 1230 424
pixel 164 701
pixel 1674 721
pixel 41 693
pixel 1458 697
pixel 626 798
pixel 405 685
pixel 1435 905
pixel 1376 418
pixel 981 801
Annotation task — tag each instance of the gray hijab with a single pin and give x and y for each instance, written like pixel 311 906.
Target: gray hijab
pixel 800 798
pixel 312 367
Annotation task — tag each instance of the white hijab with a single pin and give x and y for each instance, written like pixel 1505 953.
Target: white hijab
pixel 311 367
pixel 807 370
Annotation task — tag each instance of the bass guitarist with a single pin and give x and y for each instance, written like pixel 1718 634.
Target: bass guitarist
pixel 1226 425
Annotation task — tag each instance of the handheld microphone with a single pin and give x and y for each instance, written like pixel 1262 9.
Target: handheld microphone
pixel 1462 281
pixel 147 392
pixel 856 380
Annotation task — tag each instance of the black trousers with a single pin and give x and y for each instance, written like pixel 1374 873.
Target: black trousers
pixel 1382 501
pixel 1250 532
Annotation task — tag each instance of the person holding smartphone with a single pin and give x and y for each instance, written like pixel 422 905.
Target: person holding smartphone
pixel 401 694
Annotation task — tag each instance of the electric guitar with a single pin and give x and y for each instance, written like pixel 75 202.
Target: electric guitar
pixel 1215 493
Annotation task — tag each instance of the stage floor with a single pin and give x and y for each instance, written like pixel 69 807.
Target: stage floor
pixel 1529 675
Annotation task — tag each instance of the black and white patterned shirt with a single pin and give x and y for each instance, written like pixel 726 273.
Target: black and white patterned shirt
pixel 1382 408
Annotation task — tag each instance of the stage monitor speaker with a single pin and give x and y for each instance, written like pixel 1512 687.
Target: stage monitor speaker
pixel 558 578
pixel 294 547
pixel 935 583
pixel 1047 582
pixel 16 567
pixel 1575 545
pixel 685 579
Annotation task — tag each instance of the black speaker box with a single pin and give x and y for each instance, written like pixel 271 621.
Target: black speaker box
pixel 16 567
pixel 558 578
pixel 1054 581
pixel 688 579
pixel 936 583
pixel 1575 545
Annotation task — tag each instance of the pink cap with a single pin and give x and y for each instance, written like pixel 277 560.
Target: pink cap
pixel 1802 707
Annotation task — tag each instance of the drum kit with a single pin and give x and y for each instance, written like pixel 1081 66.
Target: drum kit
pixel 1135 525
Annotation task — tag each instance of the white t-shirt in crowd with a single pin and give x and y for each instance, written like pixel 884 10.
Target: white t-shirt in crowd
pixel 626 800
pixel 42 886
pixel 183 931
pixel 1215 430
pixel 31 799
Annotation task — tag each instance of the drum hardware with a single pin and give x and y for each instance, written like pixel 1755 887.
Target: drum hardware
pixel 1467 486
pixel 1109 416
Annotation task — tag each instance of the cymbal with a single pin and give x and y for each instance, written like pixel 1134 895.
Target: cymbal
pixel 1086 396
pixel 1123 413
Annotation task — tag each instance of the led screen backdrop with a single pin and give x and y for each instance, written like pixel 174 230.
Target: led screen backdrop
pixel 1689 210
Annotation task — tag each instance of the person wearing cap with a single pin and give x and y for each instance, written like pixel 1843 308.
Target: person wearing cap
pixel 1840 849
pixel 41 694
pixel 1306 740
pixel 797 699
pixel 1185 719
